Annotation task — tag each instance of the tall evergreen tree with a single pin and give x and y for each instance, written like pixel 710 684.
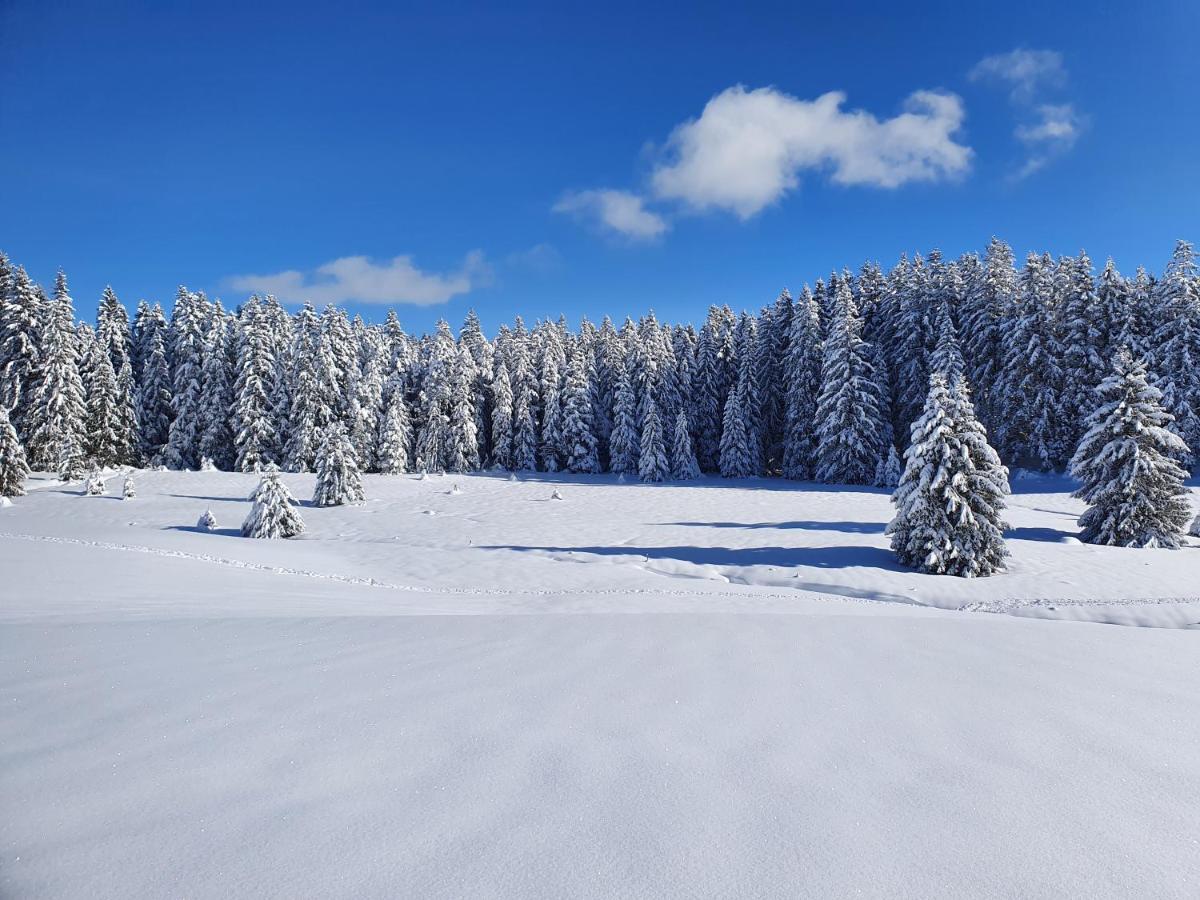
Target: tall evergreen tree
pixel 625 442
pixel 154 406
pixel 741 449
pixel 395 437
pixel 683 459
pixel 802 376
pixel 849 421
pixel 14 468
pixel 950 497
pixel 216 433
pixel 1176 354
pixel 56 414
pixel 652 458
pixel 525 401
pixel 103 442
pixel 579 439
pixel 20 335
pixel 338 480
pixel 186 351
pixel 1127 467
pixel 502 418
pixel 254 432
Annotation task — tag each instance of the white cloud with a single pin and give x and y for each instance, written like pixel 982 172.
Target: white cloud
pixel 1024 71
pixel 619 211
pixel 357 278
pixel 747 148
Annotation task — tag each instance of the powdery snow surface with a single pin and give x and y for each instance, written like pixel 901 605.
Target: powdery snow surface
pixel 748 698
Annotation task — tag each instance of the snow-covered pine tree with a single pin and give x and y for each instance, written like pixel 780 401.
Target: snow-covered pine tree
pixel 606 350
pixel 128 488
pixel 683 459
pixel 103 438
pixel 311 408
pixel 462 440
pixel 154 407
pixel 802 376
pixel 186 353
pixel 254 432
pixel 579 439
pixel 56 414
pixel 1114 299
pixel 947 355
pixel 369 386
pixel 708 393
pixel 774 327
pixel 652 458
pixel 741 449
pixel 216 433
pixel 273 514
pixel 502 418
pixel 947 508
pixel 338 479
pixel 911 334
pixel 849 422
pixel 1139 336
pixel 525 402
pixel 471 337
pixel 1127 465
pixel 889 469
pixel 20 329
pixel 1029 415
pixel 13 467
pixel 395 436
pixel 1084 335
pixel 624 443
pixel 1176 355
pixel 550 391
pixel 112 329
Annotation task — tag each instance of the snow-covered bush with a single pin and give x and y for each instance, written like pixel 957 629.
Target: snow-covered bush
pixel 274 514
pixel 1127 464
pixel 338 479
pixel 950 496
pixel 207 522
pixel 128 488
pixel 207 465
pixel 95 486
pixel 13 467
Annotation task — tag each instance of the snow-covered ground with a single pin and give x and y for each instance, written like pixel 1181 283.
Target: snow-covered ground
pixel 723 689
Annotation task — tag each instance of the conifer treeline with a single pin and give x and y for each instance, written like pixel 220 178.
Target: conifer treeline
pixel 824 385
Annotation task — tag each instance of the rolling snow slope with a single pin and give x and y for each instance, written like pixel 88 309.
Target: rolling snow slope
pixel 741 697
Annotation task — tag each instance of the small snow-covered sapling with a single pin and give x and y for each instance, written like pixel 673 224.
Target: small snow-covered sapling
pixel 556 495
pixel 95 485
pixel 128 489
pixel 207 522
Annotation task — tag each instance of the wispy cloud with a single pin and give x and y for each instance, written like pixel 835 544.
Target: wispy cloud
pixel 1047 130
pixel 1024 71
pixel 748 148
pixel 621 212
pixel 540 258
pixel 356 278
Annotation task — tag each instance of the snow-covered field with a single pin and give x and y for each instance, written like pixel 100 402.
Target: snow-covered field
pixel 724 689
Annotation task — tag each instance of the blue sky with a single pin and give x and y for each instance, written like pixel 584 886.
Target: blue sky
pixel 584 159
